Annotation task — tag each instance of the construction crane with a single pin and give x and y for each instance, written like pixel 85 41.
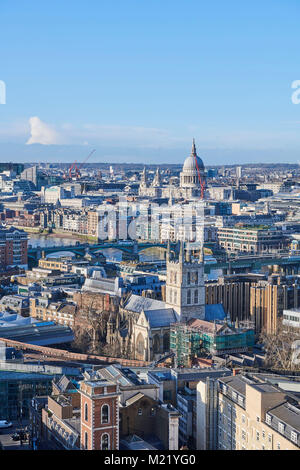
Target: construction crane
pixel 202 183
pixel 77 168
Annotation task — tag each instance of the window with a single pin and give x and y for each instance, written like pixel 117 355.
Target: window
pixel 196 297
pixel 257 435
pixel 140 411
pixel 241 400
pixel 278 445
pixel 243 419
pixel 281 428
pixel 105 414
pixel 294 436
pixel 86 440
pixel 188 296
pixel 105 442
pixel 268 419
pixel 86 412
pixel 167 395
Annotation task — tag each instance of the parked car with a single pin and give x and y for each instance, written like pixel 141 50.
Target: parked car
pixel 5 424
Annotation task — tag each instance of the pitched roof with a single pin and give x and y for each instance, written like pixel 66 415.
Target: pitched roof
pixel 161 317
pixel 214 312
pixel 133 399
pixel 205 325
pixel 137 303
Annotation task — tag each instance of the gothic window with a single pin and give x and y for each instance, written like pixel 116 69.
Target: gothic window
pixel 196 296
pixel 175 296
pixel 156 344
pixel 188 278
pixel 196 278
pixel 86 412
pixel 86 440
pixel 189 296
pixel 105 442
pixel 175 278
pixel 166 342
pixel 140 344
pixel 104 414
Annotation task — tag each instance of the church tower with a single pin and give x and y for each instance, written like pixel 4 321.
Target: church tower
pixel 185 289
pixel 157 180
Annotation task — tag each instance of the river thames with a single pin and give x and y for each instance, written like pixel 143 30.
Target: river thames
pixel 111 254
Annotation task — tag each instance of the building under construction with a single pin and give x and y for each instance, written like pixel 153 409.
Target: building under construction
pixel 198 337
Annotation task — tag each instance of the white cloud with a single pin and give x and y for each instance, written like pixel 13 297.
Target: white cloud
pixel 42 133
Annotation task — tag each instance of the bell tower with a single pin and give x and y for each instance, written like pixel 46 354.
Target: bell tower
pixel 185 289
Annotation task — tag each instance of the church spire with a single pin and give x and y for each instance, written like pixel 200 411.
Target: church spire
pixel 194 151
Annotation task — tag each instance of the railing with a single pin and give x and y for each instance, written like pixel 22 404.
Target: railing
pixel 66 355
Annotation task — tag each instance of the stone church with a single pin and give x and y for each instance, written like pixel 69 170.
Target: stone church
pixel 189 187
pixel 141 328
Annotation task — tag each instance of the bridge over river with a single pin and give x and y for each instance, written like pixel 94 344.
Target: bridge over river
pixel 289 263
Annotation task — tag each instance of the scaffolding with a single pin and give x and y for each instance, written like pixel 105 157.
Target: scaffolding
pixel 187 342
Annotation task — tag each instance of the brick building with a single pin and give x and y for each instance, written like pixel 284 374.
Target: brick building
pixel 13 248
pixel 99 415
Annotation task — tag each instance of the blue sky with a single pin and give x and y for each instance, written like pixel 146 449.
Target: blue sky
pixel 138 80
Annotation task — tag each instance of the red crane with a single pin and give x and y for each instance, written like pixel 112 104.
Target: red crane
pixel 77 169
pixel 202 183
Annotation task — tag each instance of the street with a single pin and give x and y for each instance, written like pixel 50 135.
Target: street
pixel 6 440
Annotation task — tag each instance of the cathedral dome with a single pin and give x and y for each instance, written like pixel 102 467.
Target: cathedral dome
pixel 190 163
pixel 193 161
pixel 193 171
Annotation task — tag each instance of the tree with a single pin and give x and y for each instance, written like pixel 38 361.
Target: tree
pixel 281 347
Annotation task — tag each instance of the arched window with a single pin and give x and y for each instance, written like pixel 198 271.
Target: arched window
pixel 105 442
pixel 105 414
pixel 86 412
pixel 166 342
pixel 196 296
pixel 188 278
pixel 86 440
pixel 188 296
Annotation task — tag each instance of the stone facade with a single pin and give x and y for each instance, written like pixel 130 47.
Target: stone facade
pixel 185 290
